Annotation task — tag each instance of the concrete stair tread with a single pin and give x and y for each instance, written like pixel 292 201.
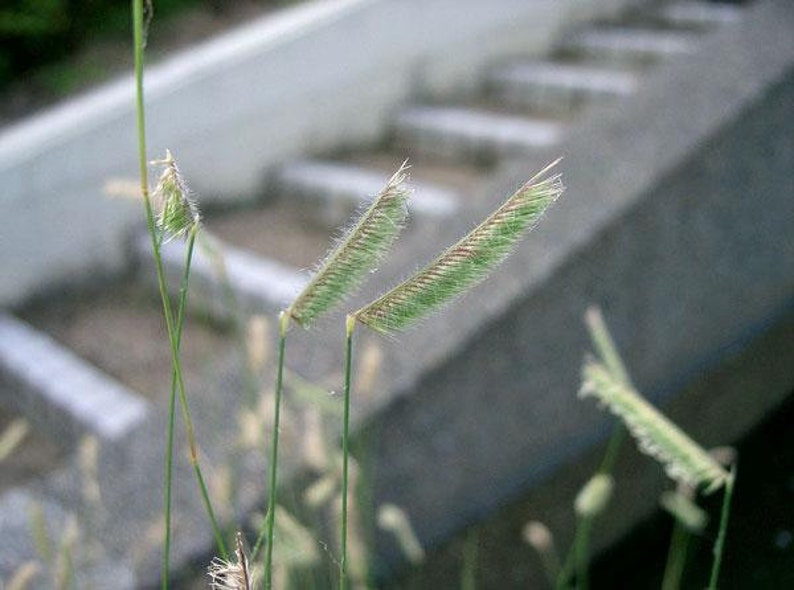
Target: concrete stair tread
pixel 560 84
pixel 627 43
pixel 256 281
pixel 342 186
pixel 277 231
pixel 453 131
pixel 65 394
pixel 699 14
pixel 120 332
pixel 464 180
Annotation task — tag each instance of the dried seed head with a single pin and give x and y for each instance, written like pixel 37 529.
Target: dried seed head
pixel 394 519
pixel 12 437
pixel 177 212
pixel 23 576
pixel 231 575
pixel 541 540
pixel 88 458
pixel 256 343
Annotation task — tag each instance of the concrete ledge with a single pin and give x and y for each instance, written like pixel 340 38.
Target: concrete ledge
pixel 64 395
pixel 333 191
pixel 219 272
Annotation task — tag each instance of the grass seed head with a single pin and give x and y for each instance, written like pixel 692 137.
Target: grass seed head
pixel 356 253
pixel 683 459
pixel 177 212
pixel 466 263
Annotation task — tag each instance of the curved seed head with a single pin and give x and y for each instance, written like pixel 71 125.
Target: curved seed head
pixel 356 253
pixel 684 460
pixel 466 263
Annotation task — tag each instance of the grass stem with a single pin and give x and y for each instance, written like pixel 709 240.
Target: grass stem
pixel 676 557
pixel 468 570
pixel 350 325
pixel 283 322
pixel 138 43
pixel 719 544
pixel 169 454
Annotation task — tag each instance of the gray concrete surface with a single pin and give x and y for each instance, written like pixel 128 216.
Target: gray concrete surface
pixel 676 220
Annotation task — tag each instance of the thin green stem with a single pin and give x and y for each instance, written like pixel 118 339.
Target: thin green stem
pixel 468 576
pixel 138 34
pixel 613 449
pixel 350 325
pixel 169 454
pixel 719 544
pixel 283 322
pixel 584 526
pixel 676 557
pixel 581 550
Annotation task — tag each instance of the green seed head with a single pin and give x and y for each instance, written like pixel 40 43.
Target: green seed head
pixel 356 253
pixel 466 263
pixel 594 496
pixel 683 459
pixel 177 212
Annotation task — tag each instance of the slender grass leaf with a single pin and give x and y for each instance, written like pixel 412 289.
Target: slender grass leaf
pixel 466 263
pixel 684 460
pixel 356 253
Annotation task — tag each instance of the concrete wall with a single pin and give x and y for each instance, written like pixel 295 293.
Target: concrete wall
pixel 677 221
pixel 301 81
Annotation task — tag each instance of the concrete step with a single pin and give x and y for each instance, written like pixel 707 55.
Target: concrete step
pixel 333 190
pixel 220 271
pixel 63 394
pixel 699 14
pixel 472 134
pixel 626 44
pixel 462 179
pixel 560 86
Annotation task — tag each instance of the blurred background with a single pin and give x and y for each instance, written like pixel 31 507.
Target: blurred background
pixel 673 121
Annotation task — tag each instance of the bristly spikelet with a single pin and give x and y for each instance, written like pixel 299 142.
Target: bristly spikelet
pixel 177 212
pixel 356 253
pixel 465 263
pixel 227 575
pixel 683 459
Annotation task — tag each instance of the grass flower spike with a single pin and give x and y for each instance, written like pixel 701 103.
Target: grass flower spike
pixel 177 212
pixel 684 460
pixel 465 263
pixel 356 253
